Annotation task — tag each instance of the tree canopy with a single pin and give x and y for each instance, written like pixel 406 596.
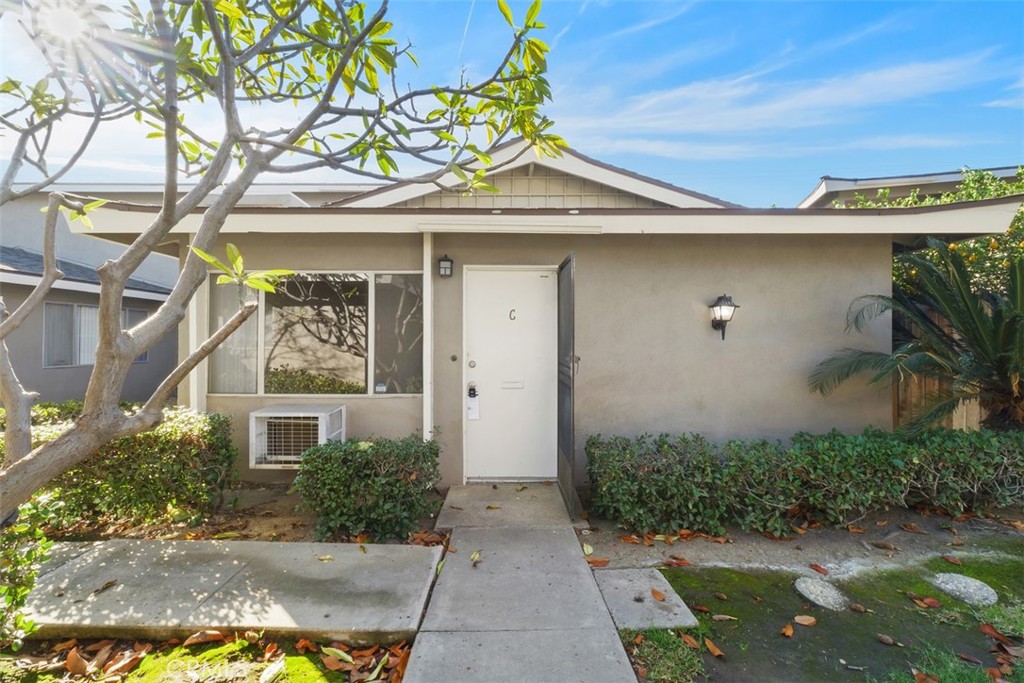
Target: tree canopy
pixel 235 90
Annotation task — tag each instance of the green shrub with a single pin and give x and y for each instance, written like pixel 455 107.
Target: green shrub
pixel 183 464
pixel 658 484
pixel 51 412
pixel 286 380
pixel 23 548
pixel 376 486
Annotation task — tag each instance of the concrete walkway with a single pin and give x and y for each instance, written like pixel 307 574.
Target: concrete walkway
pixel 529 610
pixel 162 589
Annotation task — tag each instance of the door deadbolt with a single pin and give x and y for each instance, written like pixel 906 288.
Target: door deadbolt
pixel 472 363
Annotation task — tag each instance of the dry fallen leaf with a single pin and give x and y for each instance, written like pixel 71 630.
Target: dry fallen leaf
pixel 208 636
pixel 913 528
pixel 818 568
pixel 969 658
pixel 75 663
pixel 657 594
pixel 799 530
pixel 994 675
pixel 598 561
pixel 630 539
pixel 453 506
pixel 805 620
pixel 882 545
pixel 331 663
pixel 854 529
pixel 885 639
pixel 474 558
pixel 701 608
pixel 305 644
pixel 857 607
pixel 721 596
pixel 493 507
pixel 724 617
pixel 639 639
pixel 952 559
pixel 690 641
pixel 787 630
pixel 65 645
pixel 713 649
pixel 991 631
pixel 932 602
pixel 922 677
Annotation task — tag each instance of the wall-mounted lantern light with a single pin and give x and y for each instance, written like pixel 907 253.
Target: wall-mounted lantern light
pixel 444 266
pixel 721 313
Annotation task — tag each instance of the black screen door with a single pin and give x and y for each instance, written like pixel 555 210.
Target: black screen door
pixel 566 370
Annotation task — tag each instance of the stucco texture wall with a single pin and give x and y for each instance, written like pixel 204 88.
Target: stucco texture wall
pixel 69 382
pixel 649 360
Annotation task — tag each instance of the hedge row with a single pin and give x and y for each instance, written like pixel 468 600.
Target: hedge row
pixel 672 482
pixel 183 464
pixel 51 412
pixel 377 486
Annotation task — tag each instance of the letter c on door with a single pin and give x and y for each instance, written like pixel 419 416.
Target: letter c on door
pixel 512 314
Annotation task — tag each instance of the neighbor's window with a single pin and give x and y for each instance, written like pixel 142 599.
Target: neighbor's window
pixel 321 333
pixel 72 331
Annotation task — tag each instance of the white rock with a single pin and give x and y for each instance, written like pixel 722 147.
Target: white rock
pixel 821 593
pixel 975 593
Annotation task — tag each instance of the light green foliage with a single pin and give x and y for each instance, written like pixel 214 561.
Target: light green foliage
pixel 288 380
pixel 986 257
pixel 345 55
pixel 183 464
pixel 971 340
pixel 377 486
pixel 22 549
pixel 234 272
pixel 666 483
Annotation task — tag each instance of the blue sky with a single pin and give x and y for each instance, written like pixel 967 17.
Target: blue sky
pixel 748 101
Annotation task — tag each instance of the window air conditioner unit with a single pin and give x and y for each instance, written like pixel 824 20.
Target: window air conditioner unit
pixel 280 434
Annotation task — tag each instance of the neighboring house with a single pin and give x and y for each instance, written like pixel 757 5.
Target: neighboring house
pixel 513 326
pixel 830 190
pixel 53 350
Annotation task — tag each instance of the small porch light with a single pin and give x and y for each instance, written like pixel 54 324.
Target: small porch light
pixel 721 313
pixel 444 266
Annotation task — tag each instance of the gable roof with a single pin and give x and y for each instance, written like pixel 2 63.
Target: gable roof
pixel 829 187
pixel 518 154
pixel 24 262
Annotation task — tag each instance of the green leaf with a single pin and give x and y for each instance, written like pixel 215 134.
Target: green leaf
pixel 235 258
pixel 211 259
pixel 257 283
pixel 225 280
pixel 95 204
pixel 338 654
pixel 531 14
pixel 229 9
pixel 506 12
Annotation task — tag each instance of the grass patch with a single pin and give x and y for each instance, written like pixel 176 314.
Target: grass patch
pixel 661 656
pixel 215 663
pixel 943 664
pixel 1008 618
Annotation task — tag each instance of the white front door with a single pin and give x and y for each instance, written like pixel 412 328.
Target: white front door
pixel 510 364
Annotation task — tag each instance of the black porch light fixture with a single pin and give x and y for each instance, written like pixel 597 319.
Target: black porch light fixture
pixel 445 266
pixel 721 313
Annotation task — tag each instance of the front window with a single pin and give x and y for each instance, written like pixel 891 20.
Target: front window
pixel 71 333
pixel 321 333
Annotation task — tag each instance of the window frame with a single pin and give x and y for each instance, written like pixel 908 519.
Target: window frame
pixel 371 322
pixel 76 361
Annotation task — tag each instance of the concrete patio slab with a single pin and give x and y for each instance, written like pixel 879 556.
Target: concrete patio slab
pixel 326 591
pixel 151 587
pixel 62 553
pixel 627 592
pixel 533 504
pixel 554 656
pixel 162 589
pixel 526 579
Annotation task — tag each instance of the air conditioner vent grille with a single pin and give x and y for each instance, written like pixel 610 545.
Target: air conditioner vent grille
pixel 279 435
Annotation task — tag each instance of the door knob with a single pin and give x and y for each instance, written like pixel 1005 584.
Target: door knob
pixel 472 363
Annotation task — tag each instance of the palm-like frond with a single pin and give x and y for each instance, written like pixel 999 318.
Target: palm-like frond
pixel 972 342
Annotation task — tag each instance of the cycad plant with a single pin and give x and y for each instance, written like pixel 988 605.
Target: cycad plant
pixel 971 341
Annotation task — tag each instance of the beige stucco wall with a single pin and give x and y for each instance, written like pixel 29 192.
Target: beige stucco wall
pixel 69 382
pixel 650 361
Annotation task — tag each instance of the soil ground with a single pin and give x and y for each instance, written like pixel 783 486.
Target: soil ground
pixel 885 559
pixel 251 512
